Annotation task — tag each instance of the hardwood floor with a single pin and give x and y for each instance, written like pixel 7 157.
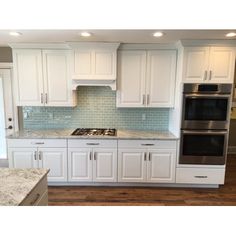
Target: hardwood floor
pixel 141 196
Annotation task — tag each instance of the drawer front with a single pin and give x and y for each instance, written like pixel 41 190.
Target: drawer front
pixel 200 176
pixel 92 143
pixel 37 193
pixel 147 144
pixel 37 143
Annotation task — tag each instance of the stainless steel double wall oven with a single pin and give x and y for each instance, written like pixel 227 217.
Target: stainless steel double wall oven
pixel 205 123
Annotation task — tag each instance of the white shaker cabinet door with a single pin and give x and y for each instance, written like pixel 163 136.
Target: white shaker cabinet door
pixel 28 77
pixel 196 60
pixel 80 165
pixel 54 159
pixel 23 157
pixel 57 79
pixel 161 71
pixel 131 79
pixel 131 165
pixel 221 67
pixel 161 166
pixel 105 165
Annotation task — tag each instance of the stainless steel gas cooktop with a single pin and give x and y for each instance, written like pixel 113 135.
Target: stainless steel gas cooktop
pixel 93 131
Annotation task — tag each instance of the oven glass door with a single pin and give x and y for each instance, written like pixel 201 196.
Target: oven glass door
pixel 206 108
pixel 203 147
pixel 205 112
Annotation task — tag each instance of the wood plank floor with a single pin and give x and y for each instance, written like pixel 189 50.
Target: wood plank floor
pixel 141 196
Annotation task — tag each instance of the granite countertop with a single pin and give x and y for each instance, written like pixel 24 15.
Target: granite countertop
pixel 17 184
pixel 66 134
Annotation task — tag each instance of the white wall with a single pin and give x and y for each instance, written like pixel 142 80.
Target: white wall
pixel 2 124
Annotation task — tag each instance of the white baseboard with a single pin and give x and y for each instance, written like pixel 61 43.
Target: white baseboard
pixel 4 163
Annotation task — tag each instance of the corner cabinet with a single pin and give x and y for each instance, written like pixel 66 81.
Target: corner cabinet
pixel 92 160
pixel 146 161
pixel 42 78
pixel 37 153
pixel 209 64
pixel 146 78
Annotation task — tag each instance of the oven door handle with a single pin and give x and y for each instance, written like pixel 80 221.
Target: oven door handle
pixel 204 132
pixel 211 96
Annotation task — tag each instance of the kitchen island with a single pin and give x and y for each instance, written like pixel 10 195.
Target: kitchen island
pixel 25 187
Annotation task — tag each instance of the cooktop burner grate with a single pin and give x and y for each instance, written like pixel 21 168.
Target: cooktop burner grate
pixel 93 131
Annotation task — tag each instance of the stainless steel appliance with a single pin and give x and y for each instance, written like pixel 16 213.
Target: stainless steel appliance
pixel 94 131
pixel 206 106
pixel 205 124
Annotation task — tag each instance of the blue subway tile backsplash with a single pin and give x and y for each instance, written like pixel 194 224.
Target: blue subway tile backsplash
pixel 96 109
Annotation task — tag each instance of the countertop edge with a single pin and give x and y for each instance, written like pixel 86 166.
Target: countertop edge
pixel 47 171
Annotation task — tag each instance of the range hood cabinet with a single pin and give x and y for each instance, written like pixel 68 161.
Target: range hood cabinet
pixel 94 64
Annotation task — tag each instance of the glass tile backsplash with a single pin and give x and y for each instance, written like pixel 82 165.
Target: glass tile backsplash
pixel 96 109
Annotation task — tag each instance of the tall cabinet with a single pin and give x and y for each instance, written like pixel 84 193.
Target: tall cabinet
pixel 42 77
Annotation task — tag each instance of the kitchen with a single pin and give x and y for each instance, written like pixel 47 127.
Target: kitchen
pixel 118 114
pixel 114 220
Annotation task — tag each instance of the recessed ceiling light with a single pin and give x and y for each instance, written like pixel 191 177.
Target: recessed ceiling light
pixel 16 34
pixel 231 34
pixel 85 34
pixel 158 34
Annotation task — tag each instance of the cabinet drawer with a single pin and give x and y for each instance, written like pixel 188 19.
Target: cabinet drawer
pixel 37 143
pixel 200 176
pixel 147 144
pixel 37 194
pixel 93 143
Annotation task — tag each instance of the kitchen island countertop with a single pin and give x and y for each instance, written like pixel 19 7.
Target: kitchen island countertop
pixel 66 134
pixel 17 184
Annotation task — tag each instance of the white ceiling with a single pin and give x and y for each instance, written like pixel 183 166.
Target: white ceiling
pixel 123 36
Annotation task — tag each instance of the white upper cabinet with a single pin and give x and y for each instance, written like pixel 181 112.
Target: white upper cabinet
pixel 57 78
pixel 42 77
pixel 208 64
pixel 94 63
pixel 161 72
pixel 146 78
pixel 28 77
pixel 131 78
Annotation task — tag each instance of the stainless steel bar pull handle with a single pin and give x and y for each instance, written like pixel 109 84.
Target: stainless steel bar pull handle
pixel 39 143
pixel 46 98
pixel 149 156
pixel 41 98
pixel 147 144
pixel 205 75
pixel 144 99
pixel 90 156
pixel 95 156
pixel 92 143
pixel 145 156
pixel 35 155
pixel 148 99
pixel 210 74
pixel 201 176
pixel 40 155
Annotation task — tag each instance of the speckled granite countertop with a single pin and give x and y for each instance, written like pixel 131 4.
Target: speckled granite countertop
pixel 17 184
pixel 64 134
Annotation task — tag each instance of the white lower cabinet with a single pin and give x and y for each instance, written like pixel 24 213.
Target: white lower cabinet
pixel 49 154
pixel 200 175
pixel 92 160
pixel 146 164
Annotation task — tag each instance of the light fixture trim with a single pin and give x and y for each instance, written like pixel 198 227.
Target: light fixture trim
pixel 230 34
pixel 85 34
pixel 158 34
pixel 15 34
